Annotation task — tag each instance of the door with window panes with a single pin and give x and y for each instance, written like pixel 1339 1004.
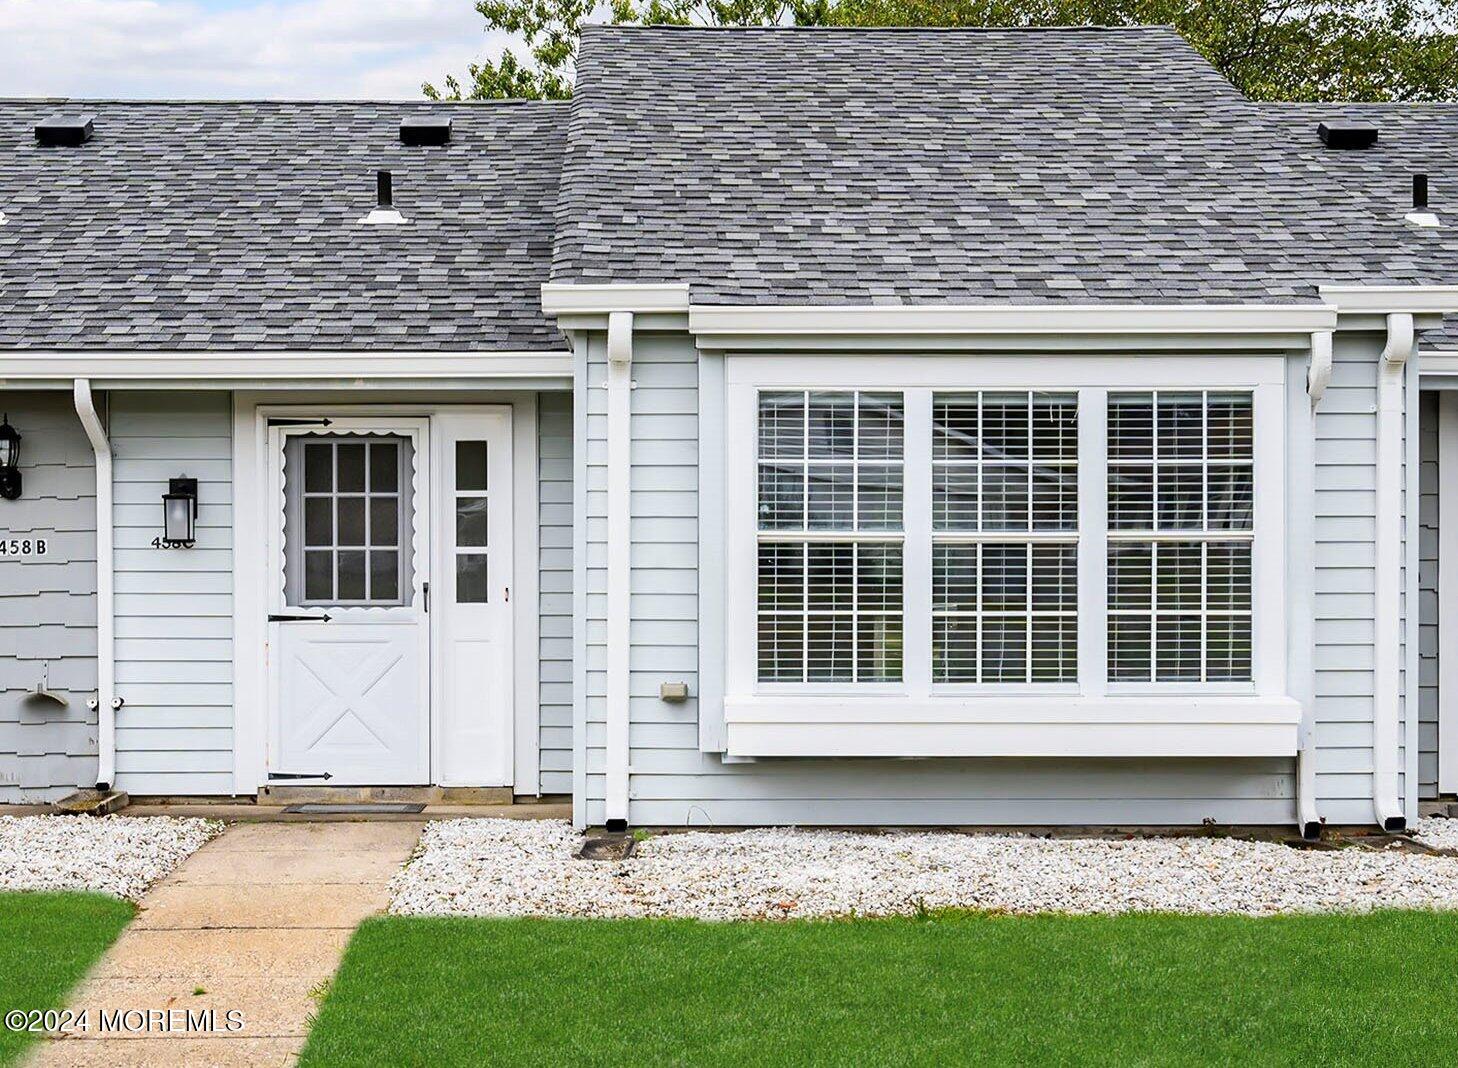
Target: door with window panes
pixel 349 643
pixel 471 602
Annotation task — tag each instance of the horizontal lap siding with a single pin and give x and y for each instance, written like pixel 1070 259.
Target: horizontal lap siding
pixel 673 783
pixel 1428 477
pixel 174 646
pixel 48 604
pixel 554 513
pixel 1345 529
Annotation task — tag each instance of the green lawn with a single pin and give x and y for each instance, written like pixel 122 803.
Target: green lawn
pixel 47 942
pixel 1147 989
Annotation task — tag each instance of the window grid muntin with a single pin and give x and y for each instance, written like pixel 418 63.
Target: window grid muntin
pixel 370 548
pixel 1062 457
pixel 472 561
pixel 862 539
pixel 1162 540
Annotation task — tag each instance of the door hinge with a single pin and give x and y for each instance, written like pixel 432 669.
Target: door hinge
pixel 272 618
pixel 299 775
pixel 425 593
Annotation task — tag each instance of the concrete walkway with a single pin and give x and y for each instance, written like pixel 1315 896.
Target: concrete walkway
pixel 251 923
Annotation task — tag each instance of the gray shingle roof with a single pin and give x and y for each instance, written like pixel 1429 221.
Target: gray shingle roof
pixel 904 166
pixel 233 226
pixel 1444 337
pixel 774 165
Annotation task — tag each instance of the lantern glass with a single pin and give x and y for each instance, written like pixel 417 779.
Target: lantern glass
pixel 9 446
pixel 177 518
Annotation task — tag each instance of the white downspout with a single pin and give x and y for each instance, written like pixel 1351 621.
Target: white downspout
pixel 1318 376
pixel 106 699
pixel 1386 803
pixel 619 563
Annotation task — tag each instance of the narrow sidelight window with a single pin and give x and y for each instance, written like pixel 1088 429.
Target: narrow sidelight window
pixel 1181 496
pixel 830 536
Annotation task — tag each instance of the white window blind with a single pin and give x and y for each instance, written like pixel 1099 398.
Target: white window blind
pixel 1181 497
pixel 1004 537
pixel 830 536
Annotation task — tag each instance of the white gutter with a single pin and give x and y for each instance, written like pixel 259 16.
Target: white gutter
pixel 922 319
pixel 107 702
pixel 1303 584
pixel 619 563
pixel 1386 801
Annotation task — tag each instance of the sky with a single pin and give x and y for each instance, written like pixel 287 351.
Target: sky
pixel 295 49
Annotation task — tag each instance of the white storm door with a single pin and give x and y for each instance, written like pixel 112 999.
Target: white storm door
pixel 349 641
pixel 472 602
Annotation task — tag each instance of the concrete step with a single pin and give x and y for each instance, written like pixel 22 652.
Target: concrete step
pixel 347 795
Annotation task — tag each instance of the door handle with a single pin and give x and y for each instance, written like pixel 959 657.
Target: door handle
pixel 296 619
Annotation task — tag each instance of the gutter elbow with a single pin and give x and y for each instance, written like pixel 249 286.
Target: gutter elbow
pixel 1318 372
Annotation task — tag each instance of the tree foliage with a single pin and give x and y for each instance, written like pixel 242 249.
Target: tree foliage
pixel 1270 49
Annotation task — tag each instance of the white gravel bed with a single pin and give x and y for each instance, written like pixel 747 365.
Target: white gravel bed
pixel 1438 832
pixel 119 855
pixel 525 868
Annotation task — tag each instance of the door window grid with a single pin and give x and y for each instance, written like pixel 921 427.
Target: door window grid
pixel 351 521
pixel 1004 607
pixel 472 514
pixel 1181 531
pixel 830 514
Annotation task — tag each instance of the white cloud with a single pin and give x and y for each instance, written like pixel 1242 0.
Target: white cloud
pixel 246 48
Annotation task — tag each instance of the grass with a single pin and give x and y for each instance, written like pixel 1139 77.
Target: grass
pixel 940 989
pixel 47 943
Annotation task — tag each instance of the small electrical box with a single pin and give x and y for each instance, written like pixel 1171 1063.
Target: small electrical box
pixel 675 693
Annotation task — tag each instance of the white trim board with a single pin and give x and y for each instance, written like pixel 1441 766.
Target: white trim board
pixel 121 366
pixel 1014 319
pixel 1415 299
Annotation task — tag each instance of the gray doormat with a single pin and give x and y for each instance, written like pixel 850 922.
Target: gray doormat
pixel 316 808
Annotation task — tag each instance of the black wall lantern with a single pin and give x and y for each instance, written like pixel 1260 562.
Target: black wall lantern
pixel 9 461
pixel 179 512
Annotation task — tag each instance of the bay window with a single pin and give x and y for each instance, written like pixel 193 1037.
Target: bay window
pixel 955 554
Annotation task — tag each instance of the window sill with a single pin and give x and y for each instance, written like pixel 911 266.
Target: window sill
pixel 1177 725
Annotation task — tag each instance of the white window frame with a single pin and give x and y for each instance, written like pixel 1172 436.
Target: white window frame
pixel 1236 714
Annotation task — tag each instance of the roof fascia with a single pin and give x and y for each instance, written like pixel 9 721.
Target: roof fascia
pixel 294 366
pixel 563 299
pixel 727 321
pixel 1418 300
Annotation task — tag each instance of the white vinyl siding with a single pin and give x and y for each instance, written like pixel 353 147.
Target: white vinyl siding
pixel 174 649
pixel 554 514
pixel 48 604
pixel 1430 486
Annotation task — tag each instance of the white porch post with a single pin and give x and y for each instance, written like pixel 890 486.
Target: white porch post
pixel 619 562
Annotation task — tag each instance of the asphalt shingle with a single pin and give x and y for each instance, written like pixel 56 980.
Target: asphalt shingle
pixel 235 226
pixel 811 166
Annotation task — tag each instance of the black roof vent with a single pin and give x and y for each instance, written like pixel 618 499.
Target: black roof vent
pixel 425 130
pixel 64 130
pixel 1347 134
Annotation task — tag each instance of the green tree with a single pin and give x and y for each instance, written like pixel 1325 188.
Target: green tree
pixel 1270 49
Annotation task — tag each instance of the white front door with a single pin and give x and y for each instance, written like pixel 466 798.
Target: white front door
pixel 349 641
pixel 471 604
